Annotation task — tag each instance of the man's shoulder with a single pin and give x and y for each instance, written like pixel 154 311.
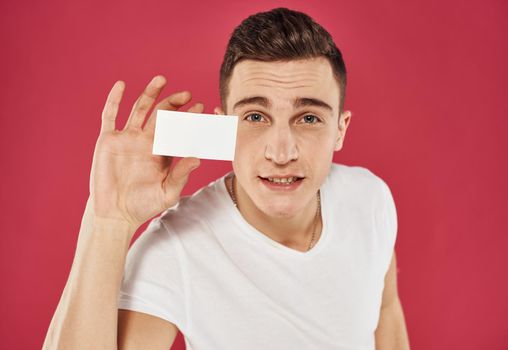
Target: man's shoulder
pixel 354 175
pixel 358 187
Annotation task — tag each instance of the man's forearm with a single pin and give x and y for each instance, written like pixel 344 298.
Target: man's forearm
pixel 391 333
pixel 86 316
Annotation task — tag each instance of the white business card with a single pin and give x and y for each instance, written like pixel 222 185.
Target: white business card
pixel 185 134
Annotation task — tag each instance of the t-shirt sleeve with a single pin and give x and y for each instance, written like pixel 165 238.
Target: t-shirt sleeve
pixel 153 280
pixel 389 217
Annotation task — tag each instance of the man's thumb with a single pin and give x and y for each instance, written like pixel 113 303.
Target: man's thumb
pixel 179 175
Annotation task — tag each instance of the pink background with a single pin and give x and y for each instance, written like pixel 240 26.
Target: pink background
pixel 427 87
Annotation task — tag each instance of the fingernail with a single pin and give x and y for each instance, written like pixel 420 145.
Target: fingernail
pixel 159 80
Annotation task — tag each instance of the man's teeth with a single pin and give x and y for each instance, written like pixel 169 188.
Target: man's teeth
pixel 285 180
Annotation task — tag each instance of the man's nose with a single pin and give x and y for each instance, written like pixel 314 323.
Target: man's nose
pixel 281 147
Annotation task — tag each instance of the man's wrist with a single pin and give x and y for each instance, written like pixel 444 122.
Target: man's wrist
pixel 113 224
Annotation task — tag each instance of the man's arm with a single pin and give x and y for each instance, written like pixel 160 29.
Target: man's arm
pixel 137 330
pixel 391 332
pixel 86 316
pixel 128 186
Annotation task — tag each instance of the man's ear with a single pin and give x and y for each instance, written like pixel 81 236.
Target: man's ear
pixel 344 119
pixel 218 111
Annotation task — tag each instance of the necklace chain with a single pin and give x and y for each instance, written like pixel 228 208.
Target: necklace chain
pixel 318 211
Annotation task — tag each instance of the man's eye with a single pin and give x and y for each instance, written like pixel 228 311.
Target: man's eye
pixel 254 117
pixel 310 119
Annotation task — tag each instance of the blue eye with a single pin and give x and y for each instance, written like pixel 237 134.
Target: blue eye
pixel 310 119
pixel 254 117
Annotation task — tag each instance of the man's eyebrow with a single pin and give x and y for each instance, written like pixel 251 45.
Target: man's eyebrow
pixel 259 100
pixel 298 102
pixel 310 101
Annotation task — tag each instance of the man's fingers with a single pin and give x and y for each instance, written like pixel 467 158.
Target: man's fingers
pixel 197 108
pixel 145 102
pixel 171 103
pixel 179 175
pixel 111 107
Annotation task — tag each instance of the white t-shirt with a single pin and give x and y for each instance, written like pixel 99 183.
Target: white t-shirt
pixel 226 285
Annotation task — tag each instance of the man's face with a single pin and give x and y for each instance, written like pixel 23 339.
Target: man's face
pixel 288 126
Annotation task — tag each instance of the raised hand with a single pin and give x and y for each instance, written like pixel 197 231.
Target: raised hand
pixel 127 182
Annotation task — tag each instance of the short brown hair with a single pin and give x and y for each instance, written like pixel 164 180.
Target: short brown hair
pixel 280 34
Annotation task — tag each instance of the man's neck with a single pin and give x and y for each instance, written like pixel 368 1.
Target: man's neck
pixel 294 232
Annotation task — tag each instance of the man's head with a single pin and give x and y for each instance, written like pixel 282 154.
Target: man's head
pixel 280 35
pixel 285 79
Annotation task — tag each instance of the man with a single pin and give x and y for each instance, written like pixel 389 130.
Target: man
pixel 287 251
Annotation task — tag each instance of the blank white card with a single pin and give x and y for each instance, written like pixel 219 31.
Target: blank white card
pixel 185 134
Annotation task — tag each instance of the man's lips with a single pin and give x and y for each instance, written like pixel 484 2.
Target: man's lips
pixel 285 184
pixel 284 180
pixel 282 176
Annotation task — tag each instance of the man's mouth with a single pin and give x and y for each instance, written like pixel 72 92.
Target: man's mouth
pixel 282 181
